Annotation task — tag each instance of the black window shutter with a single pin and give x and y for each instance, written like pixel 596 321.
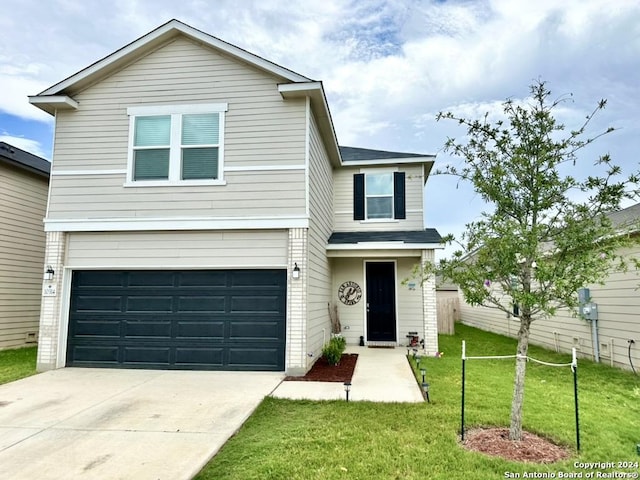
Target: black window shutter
pixel 399 208
pixel 358 196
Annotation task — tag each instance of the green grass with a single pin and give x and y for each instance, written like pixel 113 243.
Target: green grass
pixel 287 439
pixel 17 363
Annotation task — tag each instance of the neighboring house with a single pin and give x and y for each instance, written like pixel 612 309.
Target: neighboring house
pixel 618 304
pixel 202 216
pixel 24 181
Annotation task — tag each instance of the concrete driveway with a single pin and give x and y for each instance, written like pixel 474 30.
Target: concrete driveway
pixel 79 423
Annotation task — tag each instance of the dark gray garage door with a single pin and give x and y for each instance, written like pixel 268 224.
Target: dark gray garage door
pixel 196 320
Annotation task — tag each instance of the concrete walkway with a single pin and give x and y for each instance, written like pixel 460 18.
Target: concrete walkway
pixel 381 375
pixel 83 423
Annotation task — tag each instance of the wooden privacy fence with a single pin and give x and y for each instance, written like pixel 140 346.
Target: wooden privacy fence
pixel 448 314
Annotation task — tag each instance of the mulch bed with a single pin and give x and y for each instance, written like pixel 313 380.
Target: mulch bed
pixel 532 448
pixel 323 372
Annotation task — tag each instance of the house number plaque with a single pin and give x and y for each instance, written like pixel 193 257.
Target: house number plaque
pixel 349 293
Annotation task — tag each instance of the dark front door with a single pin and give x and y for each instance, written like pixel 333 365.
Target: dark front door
pixel 381 302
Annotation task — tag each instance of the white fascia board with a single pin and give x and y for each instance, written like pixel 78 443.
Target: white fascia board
pixel 315 91
pixel 148 224
pixel 378 254
pixel 383 246
pixel 51 103
pixel 166 31
pixel 390 161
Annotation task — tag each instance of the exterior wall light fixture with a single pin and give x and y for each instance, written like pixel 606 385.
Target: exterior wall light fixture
pixel 49 273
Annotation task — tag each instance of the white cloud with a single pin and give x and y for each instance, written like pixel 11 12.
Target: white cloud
pixel 26 144
pixel 387 65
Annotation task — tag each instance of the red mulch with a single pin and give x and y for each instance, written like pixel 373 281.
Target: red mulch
pixel 323 372
pixel 532 448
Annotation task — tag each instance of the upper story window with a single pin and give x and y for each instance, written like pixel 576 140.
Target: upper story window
pixel 379 196
pixel 176 144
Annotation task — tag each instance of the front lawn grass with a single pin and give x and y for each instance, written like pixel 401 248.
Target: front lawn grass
pixel 17 363
pixel 287 439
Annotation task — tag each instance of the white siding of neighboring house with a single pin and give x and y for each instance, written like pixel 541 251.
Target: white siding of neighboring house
pixel 23 200
pixel 178 249
pixel 261 130
pixel 343 201
pixel 320 228
pixel 619 320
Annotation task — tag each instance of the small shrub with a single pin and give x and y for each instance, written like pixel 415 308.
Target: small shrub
pixel 333 350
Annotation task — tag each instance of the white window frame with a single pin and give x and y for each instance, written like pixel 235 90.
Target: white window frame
pixel 367 196
pixel 175 147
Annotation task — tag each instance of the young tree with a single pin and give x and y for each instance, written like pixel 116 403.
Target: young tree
pixel 548 234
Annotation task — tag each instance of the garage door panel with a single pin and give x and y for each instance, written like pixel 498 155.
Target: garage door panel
pixel 252 358
pixel 213 330
pixel 203 278
pixel 200 357
pixel 94 303
pixel 149 303
pixel 256 278
pixel 201 303
pixel 95 353
pixel 146 355
pixel 107 328
pixel 205 319
pixel 256 304
pixel 148 329
pixel 101 279
pixel 151 279
pixel 255 330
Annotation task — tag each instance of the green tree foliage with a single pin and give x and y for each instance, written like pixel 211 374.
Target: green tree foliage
pixel 547 234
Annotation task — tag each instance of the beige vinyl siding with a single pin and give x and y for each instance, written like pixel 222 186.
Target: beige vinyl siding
pixel 261 130
pixel 352 317
pixel 23 200
pixel 343 201
pixel 618 306
pixel 247 194
pixel 410 311
pixel 190 249
pixel 320 228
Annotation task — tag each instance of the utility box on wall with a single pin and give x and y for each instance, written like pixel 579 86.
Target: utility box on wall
pixel 587 309
pixel 590 311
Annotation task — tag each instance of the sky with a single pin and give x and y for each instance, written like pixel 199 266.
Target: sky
pixel 388 67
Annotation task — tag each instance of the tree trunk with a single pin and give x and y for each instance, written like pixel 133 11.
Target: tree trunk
pixel 515 429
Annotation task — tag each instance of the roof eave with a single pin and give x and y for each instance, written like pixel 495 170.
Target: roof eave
pixel 384 246
pixel 27 168
pixel 51 103
pixel 315 92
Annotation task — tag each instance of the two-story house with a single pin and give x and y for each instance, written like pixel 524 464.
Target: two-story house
pixel 203 216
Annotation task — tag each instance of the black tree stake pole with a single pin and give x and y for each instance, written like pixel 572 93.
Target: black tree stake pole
pixel 462 409
pixel 574 367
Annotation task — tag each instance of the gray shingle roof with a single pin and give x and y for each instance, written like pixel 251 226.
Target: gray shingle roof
pixel 353 154
pixel 626 217
pixel 429 235
pixel 25 160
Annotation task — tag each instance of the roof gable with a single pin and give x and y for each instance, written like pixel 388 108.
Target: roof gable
pixel 353 154
pixel 154 39
pixel 365 157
